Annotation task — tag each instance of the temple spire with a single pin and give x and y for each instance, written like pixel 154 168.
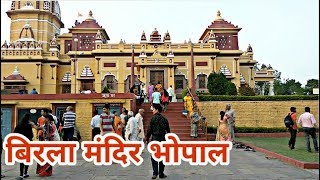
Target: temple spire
pixel 218 17
pixel 90 17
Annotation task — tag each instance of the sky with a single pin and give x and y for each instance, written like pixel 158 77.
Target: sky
pixel 282 33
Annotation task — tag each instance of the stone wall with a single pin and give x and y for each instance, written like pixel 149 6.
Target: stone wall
pixel 257 113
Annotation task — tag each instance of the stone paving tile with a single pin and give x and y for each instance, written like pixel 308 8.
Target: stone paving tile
pixel 244 165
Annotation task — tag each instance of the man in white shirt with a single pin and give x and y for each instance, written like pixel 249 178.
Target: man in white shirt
pixel 308 123
pixel 95 124
pixel 132 128
pixel 170 91
pixel 139 118
pixel 54 117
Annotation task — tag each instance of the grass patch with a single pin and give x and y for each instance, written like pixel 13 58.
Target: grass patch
pixel 280 146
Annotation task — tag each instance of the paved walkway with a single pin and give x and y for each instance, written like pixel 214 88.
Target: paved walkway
pixel 244 165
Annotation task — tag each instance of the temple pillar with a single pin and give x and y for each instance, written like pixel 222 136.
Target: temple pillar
pixel 192 85
pixel 132 68
pixel 271 90
pixel 262 89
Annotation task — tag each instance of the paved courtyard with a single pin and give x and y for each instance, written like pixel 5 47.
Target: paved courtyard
pixel 244 165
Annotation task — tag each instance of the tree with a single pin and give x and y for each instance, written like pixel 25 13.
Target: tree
pixel 105 90
pixel 231 89
pixel 218 84
pixel 293 87
pixel 311 83
pixel 246 90
pixel 263 66
pixel 289 87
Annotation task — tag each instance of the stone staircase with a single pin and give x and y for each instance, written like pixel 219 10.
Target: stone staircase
pixel 178 123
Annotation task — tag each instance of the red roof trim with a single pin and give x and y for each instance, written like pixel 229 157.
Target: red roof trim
pixel 65 96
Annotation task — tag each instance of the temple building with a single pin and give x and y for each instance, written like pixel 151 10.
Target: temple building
pixel 39 56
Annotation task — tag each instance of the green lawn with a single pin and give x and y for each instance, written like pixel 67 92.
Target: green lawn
pixel 280 146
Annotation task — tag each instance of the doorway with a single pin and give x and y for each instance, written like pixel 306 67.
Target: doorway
pixel 157 76
pixel 6 120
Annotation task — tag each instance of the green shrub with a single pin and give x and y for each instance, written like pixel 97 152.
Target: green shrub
pixel 231 89
pixel 105 90
pixel 257 98
pixel 218 84
pixel 184 93
pixel 246 91
pixel 3 91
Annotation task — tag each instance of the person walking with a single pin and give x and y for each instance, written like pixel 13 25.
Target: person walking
pixel 124 120
pixel 106 121
pixel 159 87
pixel 132 128
pixel 165 100
pixel 95 124
pixel 231 118
pixel 170 92
pixel 25 128
pixel 293 129
pixel 156 98
pixel 117 123
pixel 158 128
pixel 139 118
pixel 150 91
pixel 308 123
pixel 195 118
pixel 54 117
pixel 69 122
pixel 188 103
pixel 41 121
pixel 48 135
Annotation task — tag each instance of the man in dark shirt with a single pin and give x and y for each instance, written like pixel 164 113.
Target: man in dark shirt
pixel 158 128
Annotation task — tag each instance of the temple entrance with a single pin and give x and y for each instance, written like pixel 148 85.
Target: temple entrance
pixel 156 76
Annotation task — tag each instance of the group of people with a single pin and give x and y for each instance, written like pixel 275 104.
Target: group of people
pixel 127 125
pixel 225 131
pixel 308 123
pixel 47 130
pixel 130 128
pixel 158 96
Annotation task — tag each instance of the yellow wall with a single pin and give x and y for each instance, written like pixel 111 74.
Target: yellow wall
pixel 83 109
pixel 28 70
pixel 44 25
pixel 256 113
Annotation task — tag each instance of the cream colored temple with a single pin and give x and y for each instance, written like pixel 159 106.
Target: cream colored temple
pixel 39 56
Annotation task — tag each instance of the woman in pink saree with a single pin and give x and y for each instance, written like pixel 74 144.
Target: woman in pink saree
pixel 150 91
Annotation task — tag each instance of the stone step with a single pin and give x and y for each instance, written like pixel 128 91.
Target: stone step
pixel 171 123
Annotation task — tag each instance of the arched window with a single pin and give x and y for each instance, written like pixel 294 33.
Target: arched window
pixel 46 5
pixel 28 3
pixel 13 5
pixel 110 82
pixel 180 82
pixel 201 81
pixel 127 82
